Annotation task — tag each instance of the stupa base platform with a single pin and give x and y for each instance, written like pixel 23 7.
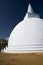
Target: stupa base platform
pixel 24 49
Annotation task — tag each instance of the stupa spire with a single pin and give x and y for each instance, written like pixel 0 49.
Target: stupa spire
pixel 31 13
pixel 30 10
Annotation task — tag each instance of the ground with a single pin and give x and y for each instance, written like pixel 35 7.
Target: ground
pixel 21 59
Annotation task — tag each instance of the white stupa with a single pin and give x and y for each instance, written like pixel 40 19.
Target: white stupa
pixel 27 36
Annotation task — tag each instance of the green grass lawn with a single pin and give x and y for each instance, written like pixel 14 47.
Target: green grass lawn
pixel 21 59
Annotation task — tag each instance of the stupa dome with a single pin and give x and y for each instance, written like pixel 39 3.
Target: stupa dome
pixel 28 34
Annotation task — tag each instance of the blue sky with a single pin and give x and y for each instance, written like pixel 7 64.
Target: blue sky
pixel 13 11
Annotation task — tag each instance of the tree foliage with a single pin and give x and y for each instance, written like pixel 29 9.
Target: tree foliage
pixel 3 44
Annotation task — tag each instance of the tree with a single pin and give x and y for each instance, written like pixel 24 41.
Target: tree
pixel 3 44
